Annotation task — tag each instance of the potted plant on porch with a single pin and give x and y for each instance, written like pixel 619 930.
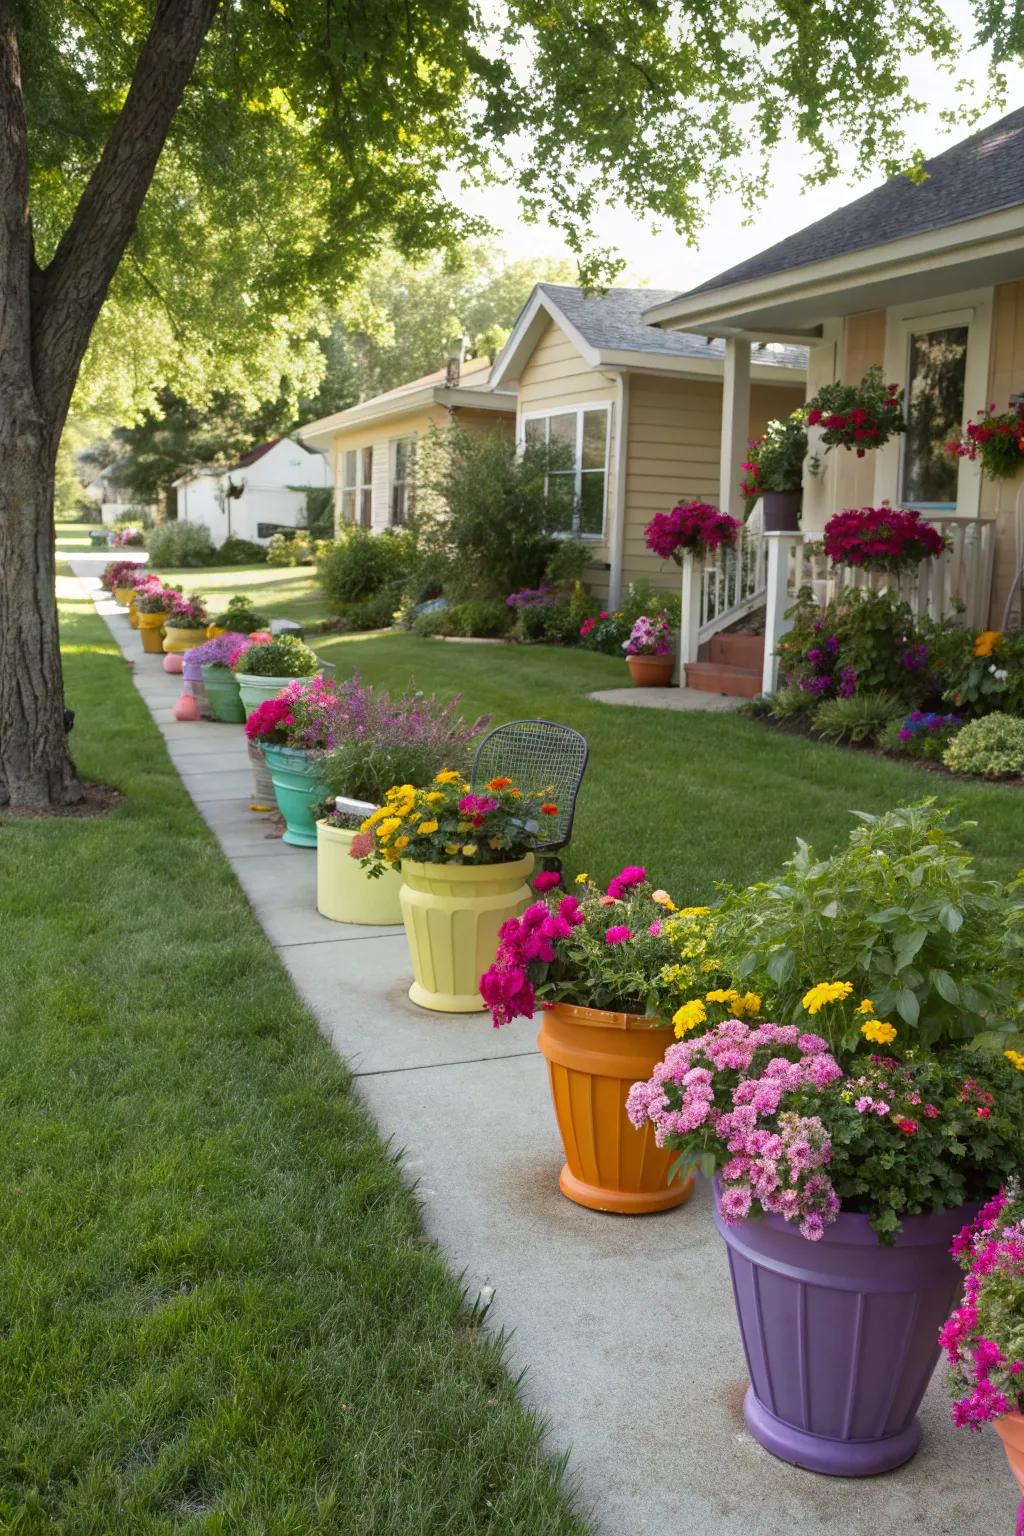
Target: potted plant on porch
pixel 605 966
pixel 649 652
pixel 862 1126
pixel 385 742
pixel 293 730
pixel 775 467
pixel 465 859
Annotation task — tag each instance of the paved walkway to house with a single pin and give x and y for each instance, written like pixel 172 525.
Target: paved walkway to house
pixel 665 698
pixel 625 1327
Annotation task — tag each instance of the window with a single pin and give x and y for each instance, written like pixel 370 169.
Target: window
pixel 403 459
pixel 935 409
pixel 577 475
pixel 357 487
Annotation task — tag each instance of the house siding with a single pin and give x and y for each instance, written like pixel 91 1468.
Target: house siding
pixel 1006 377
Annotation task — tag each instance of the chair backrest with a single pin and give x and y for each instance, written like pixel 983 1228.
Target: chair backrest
pixel 540 755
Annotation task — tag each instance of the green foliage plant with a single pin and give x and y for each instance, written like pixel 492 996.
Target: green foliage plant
pixel 284 656
pixel 235 551
pixel 179 546
pixel 240 617
pixel 360 565
pixel 775 460
pixel 992 747
pixel 860 719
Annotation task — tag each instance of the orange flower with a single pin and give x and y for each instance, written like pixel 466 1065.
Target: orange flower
pixel 499 783
pixel 549 808
pixel 986 642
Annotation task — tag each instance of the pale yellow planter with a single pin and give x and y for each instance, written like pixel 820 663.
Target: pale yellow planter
pixel 133 617
pixel 123 595
pixel 452 913
pixel 178 640
pixel 344 892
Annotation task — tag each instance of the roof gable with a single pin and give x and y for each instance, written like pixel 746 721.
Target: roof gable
pixel 980 175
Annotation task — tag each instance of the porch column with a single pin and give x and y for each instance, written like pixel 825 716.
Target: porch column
pixel 689 625
pixel 735 425
pixel 780 546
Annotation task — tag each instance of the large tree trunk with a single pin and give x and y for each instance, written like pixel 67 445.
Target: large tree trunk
pixel 46 319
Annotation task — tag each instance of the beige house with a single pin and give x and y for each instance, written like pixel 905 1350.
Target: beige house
pixel 640 408
pixel 928 281
pixel 371 447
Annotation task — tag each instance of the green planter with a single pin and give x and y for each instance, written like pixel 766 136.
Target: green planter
pixel 255 689
pixel 221 686
pixel 297 790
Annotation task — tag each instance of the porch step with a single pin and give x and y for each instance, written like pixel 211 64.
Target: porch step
pixel 720 677
pixel 736 650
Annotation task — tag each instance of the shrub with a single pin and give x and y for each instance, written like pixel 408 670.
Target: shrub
pixel 479 618
pixel 992 747
pixel 554 624
pixel 181 544
pixel 320 512
pixel 989 674
pixel 862 717
pixel 362 564
pixel 241 552
pixel 377 612
pixel 567 562
pixel 240 617
pixel 862 641
pixel 287 549
pixel 430 625
pixel 285 656
pixel 792 703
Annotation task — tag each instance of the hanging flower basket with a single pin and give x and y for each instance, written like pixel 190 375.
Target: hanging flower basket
pixel 693 527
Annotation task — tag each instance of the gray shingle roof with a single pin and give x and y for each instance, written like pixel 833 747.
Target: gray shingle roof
pixel 980 175
pixel 615 321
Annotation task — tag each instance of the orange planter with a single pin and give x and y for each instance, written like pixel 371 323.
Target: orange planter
pixel 651 671
pixel 1010 1429
pixel 594 1058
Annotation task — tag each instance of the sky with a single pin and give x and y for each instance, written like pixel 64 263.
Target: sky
pixel 662 259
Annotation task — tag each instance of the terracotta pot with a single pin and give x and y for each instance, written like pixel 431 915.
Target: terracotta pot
pixel 1010 1429
pixel 149 626
pixel 594 1058
pixel 651 671
pixel 841 1335
pixel 452 913
pixel 176 640
pixel 344 892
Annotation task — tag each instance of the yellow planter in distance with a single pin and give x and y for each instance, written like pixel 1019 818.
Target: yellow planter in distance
pixel 149 627
pixel 344 892
pixel 123 595
pixel 452 913
pixel 178 640
pixel 133 613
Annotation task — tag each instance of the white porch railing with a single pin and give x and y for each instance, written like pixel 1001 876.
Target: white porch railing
pixel 733 582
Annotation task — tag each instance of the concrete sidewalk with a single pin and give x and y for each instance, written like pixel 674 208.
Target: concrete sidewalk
pixel 625 1327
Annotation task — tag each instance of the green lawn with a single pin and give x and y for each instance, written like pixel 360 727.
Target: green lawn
pixel 219 1312
pixel 278 591
pixel 696 797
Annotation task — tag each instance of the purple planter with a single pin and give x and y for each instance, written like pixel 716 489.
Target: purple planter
pixel 841 1335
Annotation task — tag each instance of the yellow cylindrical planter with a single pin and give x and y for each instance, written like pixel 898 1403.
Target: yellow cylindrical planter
pixel 213 630
pixel 176 640
pixel 133 614
pixel 123 595
pixel 452 913
pixel 150 625
pixel 344 892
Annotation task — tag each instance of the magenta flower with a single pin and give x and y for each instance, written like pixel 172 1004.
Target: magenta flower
pixel 547 880
pixel 620 934
pixel 633 874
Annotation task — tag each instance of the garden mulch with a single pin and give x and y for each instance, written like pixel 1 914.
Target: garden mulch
pixel 623 1326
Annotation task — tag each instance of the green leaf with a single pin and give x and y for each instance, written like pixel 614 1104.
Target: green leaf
pixel 907 1006
pixel 945 986
pixel 907 946
pixel 951 917
pixel 780 965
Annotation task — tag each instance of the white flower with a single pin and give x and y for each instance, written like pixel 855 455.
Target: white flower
pixel 999 673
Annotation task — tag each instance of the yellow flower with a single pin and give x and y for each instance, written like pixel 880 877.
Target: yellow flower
pixel 692 911
pixel 468 850
pixel 867 1006
pixel 1016 1058
pixel 388 827
pixel 446 776
pixel 425 828
pixel 689 1016
pixel 494 842
pixel 401 792
pixel 749 1003
pixel 722 995
pixel 402 842
pixel 433 796
pixel 877 1032
pixel 846 1097
pixel 451 849
pixel 582 879
pixel 826 992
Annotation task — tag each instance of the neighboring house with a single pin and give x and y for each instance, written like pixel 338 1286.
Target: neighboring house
pixel 640 409
pixel 928 280
pixel 263 492
pixel 371 447
pixel 114 501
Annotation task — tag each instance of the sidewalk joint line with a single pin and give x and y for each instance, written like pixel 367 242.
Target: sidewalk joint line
pixel 434 1066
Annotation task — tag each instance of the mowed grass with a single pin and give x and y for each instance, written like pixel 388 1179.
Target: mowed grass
pixel 288 592
pixel 696 797
pixel 218 1308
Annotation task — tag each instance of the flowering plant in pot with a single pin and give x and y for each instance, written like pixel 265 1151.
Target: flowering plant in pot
pixel 118 577
pixel 774 467
pixel 267 666
pixel 893 943
pixel 605 963
pixel 984 1338
pixel 216 660
pixel 292 731
pixel 386 742
pixel 185 625
pixel 996 438
pixel 153 603
pixel 858 416
pixel 129 538
pixel 649 651
pixel 464 858
pixel 693 527
pixel 239 618
pixel 882 539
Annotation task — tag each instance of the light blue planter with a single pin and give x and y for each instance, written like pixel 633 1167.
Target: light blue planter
pixel 297 790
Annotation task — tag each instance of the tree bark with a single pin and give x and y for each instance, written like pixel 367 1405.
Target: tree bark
pixel 46 319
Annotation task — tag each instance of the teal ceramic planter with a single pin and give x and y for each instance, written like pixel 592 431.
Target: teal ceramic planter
pixel 222 692
pixel 297 790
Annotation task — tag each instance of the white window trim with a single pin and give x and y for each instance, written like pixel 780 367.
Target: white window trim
pixel 357 490
pixel 393 442
pixel 974 310
pixel 579 407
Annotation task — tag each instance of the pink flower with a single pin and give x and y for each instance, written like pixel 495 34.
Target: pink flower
pixel 547 880
pixel 654 929
pixel 618 935
pixel 633 874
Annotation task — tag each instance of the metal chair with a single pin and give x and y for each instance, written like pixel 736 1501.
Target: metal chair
pixel 540 755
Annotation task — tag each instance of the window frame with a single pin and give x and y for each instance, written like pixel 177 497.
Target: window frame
pixel 579 409
pixel 972 310
pixel 360 490
pixel 407 483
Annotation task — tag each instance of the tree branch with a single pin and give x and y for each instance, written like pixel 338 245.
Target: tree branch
pixel 74 285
